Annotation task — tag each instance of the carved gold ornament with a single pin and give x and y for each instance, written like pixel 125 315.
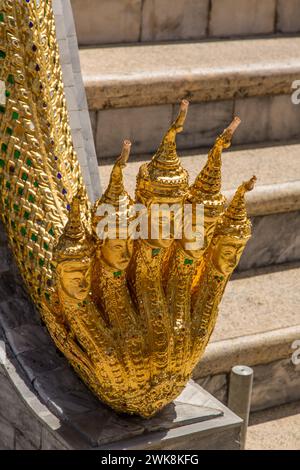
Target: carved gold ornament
pixel 132 316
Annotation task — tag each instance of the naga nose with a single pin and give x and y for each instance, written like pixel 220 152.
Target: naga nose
pixel 84 283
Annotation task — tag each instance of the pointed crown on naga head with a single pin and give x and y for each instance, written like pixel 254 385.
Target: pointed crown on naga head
pixel 232 232
pixel 73 255
pixel 111 217
pixel 163 179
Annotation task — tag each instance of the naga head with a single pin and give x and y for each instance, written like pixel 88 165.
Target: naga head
pixel 73 256
pixel 163 182
pixel 111 217
pixel 206 191
pixel 232 232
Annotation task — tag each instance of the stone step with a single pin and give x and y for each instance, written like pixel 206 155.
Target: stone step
pixel 274 205
pixel 258 326
pixel 127 21
pixel 133 92
pixel 275 429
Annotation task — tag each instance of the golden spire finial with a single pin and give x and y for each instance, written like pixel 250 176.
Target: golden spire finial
pixel 116 189
pixel 164 178
pixel 166 157
pixel 207 186
pixel 74 228
pixel 115 194
pixel 209 179
pixel 235 221
pixel 74 242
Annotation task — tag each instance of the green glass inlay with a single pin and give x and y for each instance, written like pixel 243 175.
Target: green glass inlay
pixel 23 231
pixel 31 198
pixel 9 131
pixel 13 224
pixel 46 246
pixel 2 163
pixel 41 262
pixel 17 154
pixel 24 176
pixel 1 17
pixel 28 162
pixel 34 237
pixel 7 93
pixel 30 254
pixel 26 215
pixel 2 109
pixel 47 296
pixel 36 184
pixel 4 147
pixel 15 115
pixel 6 201
pixel 11 79
pixel 8 184
pixel 117 273
pixel 155 251
pixel 16 207
pixel 51 231
pixel 2 54
pixel 188 261
pixel 20 191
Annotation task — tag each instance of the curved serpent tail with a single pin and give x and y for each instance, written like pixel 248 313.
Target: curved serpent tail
pixel 39 170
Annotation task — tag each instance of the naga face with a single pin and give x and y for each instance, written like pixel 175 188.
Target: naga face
pixel 117 253
pixel 75 278
pixel 227 253
pixel 160 228
pixel 196 246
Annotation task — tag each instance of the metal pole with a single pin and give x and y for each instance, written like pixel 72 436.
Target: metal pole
pixel 239 397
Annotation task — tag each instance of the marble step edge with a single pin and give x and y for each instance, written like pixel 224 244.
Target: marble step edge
pixel 143 75
pixel 251 350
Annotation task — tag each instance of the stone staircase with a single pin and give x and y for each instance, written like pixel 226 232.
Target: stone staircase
pixel 139 58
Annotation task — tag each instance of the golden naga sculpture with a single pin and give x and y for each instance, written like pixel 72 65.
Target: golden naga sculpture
pixel 132 314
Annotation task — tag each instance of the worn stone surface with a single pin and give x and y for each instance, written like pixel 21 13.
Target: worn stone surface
pixel 26 337
pixel 22 443
pixel 242 17
pixel 108 21
pixel 275 429
pixel 275 240
pixel 261 348
pixel 144 126
pixel 7 433
pixel 142 75
pixel 275 384
pixel 216 385
pixel 288 16
pixel 277 119
pixel 269 299
pixel 12 407
pixel 169 20
pixel 37 361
